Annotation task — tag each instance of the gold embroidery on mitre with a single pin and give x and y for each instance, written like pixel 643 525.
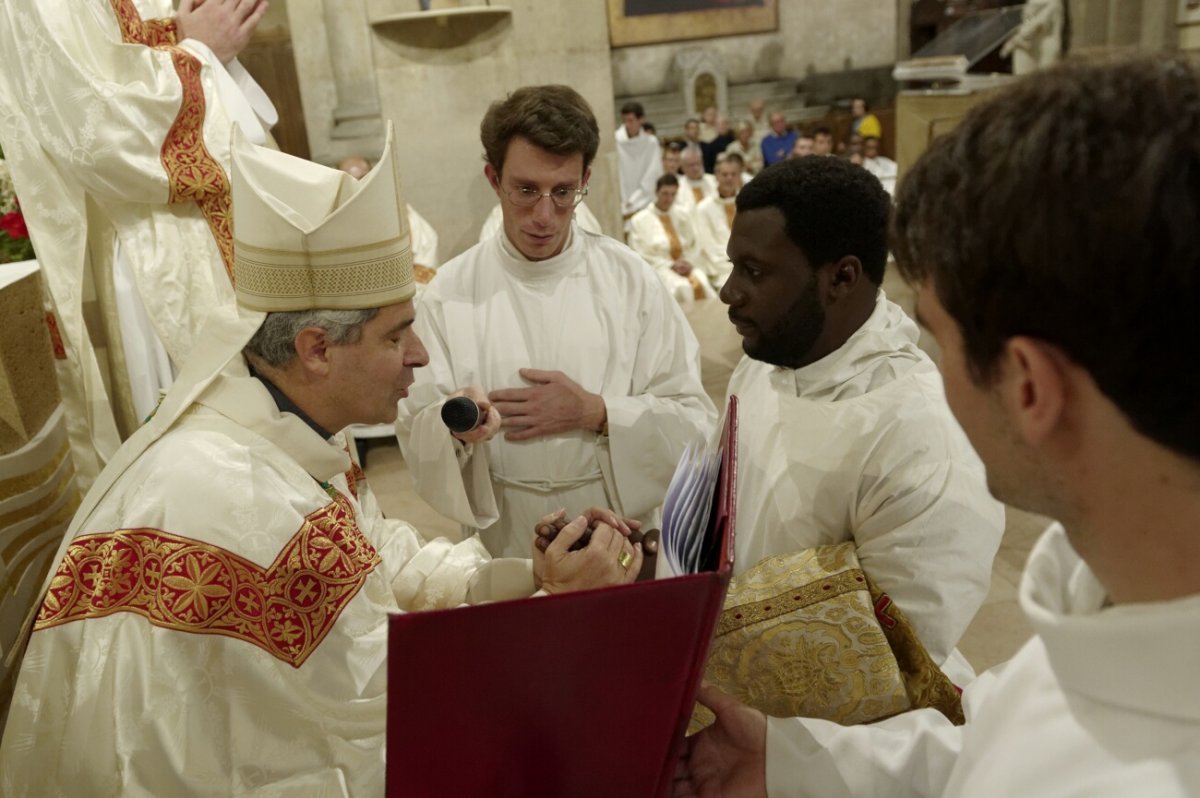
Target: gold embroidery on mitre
pixel 185 585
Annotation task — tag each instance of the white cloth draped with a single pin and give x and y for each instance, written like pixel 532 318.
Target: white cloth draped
pixel 424 240
pixel 885 169
pixel 597 313
pixel 1100 703
pixel 83 120
pixel 639 162
pixel 649 238
pixel 861 446
pixel 712 237
pixel 112 704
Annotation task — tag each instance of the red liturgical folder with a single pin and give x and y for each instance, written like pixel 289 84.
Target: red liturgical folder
pixel 579 694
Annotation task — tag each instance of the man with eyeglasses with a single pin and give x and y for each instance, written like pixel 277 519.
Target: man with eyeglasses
pixel 585 369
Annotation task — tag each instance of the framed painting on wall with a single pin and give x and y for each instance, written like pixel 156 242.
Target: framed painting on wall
pixel 1189 12
pixel 652 21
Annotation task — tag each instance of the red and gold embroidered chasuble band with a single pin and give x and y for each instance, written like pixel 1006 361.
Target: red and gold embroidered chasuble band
pixel 192 172
pixel 182 584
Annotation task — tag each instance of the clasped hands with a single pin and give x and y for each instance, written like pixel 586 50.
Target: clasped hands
pixel 596 549
pixel 554 403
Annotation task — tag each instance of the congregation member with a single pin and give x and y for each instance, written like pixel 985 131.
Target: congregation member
pixel 585 368
pixel 1035 269
pixel 696 184
pixel 779 142
pixel 714 219
pixel 217 620
pixel 713 148
pixel 116 129
pixel 803 145
pixel 758 118
pixel 879 165
pixel 850 438
pixel 708 124
pixel 671 162
pixel 863 123
pixel 665 237
pixel 638 160
pixel 822 141
pixel 691 133
pixel 746 148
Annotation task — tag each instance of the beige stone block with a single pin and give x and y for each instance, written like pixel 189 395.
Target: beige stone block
pixel 28 387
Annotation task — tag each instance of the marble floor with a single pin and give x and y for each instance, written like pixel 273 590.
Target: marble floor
pixel 998 629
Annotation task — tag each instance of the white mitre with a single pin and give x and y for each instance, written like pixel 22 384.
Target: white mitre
pixel 308 237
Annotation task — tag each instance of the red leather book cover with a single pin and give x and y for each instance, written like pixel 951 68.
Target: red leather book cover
pixel 579 694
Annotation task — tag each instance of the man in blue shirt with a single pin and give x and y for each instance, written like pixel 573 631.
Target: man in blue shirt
pixel 779 142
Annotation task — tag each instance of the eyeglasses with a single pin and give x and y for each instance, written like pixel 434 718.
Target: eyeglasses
pixel 563 197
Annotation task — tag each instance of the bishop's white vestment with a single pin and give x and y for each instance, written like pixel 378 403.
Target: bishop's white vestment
pixel 861 446
pixel 118 139
pixel 217 623
pixel 657 236
pixel 600 315
pixel 1101 703
pixel 714 221
pixel 639 164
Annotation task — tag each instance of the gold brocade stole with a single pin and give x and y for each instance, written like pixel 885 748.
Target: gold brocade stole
pixel 677 252
pixel 698 193
pixel 730 212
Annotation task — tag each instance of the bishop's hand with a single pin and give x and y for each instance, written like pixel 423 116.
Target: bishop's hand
pixel 608 559
pixel 225 26
pixel 555 403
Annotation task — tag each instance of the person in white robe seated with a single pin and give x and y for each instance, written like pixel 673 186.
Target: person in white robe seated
pixel 217 622
pixel 1017 244
pixel 714 219
pixel 746 148
pixel 846 435
pixel 663 235
pixel 570 337
pixel 585 220
pixel 638 160
pixel 696 183
pixel 879 165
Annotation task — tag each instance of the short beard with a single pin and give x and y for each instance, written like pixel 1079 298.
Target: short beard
pixel 789 342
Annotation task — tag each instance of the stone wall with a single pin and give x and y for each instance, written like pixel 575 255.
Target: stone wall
pixel 435 80
pixel 814 36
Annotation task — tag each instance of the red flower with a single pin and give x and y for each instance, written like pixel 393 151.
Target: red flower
pixel 13 223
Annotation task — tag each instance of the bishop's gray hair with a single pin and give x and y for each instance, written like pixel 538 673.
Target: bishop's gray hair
pixel 275 340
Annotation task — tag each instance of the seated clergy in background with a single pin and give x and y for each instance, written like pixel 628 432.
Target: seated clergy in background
pixel 714 218
pixel 822 141
pixel 696 183
pixel 637 160
pixel 845 434
pixel 1031 266
pixel 424 237
pixel 217 624
pixel 571 337
pixel 671 159
pixel 663 235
